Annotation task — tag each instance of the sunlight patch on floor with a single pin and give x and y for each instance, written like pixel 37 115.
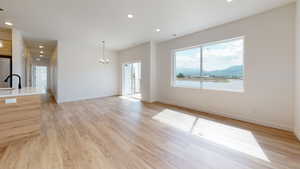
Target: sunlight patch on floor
pixel 231 137
pixel 178 120
pixel 237 139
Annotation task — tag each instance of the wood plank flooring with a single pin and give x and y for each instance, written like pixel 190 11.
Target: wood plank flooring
pixel 120 133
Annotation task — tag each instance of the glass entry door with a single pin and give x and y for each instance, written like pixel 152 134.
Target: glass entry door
pixel 40 77
pixel 132 79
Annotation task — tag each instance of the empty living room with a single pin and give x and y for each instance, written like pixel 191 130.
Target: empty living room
pixel 150 84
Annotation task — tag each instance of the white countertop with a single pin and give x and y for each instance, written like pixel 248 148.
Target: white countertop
pixel 26 91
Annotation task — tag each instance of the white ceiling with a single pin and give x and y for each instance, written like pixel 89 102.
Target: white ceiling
pixel 91 21
pixel 34 47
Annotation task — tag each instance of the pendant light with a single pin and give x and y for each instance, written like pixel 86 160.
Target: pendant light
pixel 104 59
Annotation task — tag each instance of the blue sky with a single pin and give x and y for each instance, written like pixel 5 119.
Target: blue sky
pixel 215 57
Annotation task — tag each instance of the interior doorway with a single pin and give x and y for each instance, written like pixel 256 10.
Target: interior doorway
pixel 132 80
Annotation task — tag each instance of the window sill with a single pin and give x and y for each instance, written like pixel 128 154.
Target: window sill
pixel 209 89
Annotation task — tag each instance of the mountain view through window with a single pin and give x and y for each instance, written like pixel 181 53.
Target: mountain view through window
pixel 215 66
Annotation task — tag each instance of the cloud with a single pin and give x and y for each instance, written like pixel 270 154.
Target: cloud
pixel 215 57
pixel 188 58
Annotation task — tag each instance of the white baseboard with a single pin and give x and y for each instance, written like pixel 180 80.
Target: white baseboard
pixel 241 118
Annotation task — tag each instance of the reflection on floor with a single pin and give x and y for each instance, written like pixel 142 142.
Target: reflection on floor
pixel 134 97
pixel 137 96
pixel 47 97
pixel 232 137
pixel 122 133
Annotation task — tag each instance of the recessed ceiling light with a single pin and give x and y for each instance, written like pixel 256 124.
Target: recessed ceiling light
pixel 41 55
pixel 9 23
pixel 41 52
pixel 130 16
pixel 157 30
pixel 41 46
pixel 229 0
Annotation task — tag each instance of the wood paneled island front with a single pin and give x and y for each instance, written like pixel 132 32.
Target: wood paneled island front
pixel 20 114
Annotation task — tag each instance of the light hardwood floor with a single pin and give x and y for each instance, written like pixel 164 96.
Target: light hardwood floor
pixel 119 133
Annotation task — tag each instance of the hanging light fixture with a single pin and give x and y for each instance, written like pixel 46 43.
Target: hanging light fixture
pixel 104 59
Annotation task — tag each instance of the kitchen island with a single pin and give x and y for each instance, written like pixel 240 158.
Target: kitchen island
pixel 20 114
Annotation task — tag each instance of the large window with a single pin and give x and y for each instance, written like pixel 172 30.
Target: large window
pixel 218 66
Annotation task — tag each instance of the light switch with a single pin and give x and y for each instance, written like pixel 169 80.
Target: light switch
pixel 10 101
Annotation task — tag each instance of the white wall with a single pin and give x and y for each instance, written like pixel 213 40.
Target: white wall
pixel 28 63
pixel 144 53
pixel 153 72
pixel 269 70
pixel 18 57
pixel 80 76
pixel 297 74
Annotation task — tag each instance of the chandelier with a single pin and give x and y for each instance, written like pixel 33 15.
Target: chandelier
pixel 104 59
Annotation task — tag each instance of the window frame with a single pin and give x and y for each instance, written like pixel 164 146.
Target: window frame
pixel 200 46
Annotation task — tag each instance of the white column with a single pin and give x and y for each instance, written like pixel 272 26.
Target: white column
pixel 297 73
